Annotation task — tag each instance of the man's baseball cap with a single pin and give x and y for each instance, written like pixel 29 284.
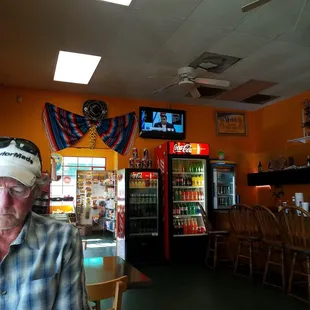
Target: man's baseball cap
pixel 20 159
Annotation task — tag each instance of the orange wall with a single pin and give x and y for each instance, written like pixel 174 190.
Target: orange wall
pixel 25 120
pixel 277 124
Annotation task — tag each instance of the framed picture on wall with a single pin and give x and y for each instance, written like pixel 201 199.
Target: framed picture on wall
pixel 231 123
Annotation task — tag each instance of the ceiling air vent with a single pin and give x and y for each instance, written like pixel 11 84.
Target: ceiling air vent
pixel 215 63
pixel 259 99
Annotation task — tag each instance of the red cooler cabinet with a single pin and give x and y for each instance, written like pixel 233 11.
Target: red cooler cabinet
pixel 139 222
pixel 185 190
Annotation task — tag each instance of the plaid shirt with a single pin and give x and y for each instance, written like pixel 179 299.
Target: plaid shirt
pixel 44 268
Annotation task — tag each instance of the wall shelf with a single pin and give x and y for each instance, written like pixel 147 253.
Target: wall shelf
pixel 301 140
pixel 283 177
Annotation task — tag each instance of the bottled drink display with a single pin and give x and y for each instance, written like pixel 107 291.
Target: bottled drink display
pixel 143 205
pixel 188 196
pixel 225 191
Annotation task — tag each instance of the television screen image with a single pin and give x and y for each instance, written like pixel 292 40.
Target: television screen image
pixel 162 123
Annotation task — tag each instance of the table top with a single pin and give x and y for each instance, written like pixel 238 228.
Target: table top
pixel 101 269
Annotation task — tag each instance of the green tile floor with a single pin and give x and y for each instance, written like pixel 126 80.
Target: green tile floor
pixel 190 287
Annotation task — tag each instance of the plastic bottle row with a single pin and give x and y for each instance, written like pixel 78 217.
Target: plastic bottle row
pixel 186 209
pixel 181 180
pixel 142 210
pixel 142 226
pixel 187 227
pixel 142 183
pixel 187 166
pixel 189 194
pixel 142 198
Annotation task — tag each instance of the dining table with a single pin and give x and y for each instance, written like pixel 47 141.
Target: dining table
pixel 102 269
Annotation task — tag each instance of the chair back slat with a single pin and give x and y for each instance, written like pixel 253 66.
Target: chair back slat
pixel 297 222
pixel 269 225
pixel 243 221
pixel 109 289
pixel 205 219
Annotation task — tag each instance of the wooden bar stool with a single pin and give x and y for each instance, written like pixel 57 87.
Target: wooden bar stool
pixel 297 222
pixel 274 238
pixel 215 239
pixel 245 226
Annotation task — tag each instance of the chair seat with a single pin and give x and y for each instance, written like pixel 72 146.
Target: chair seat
pixel 248 238
pixel 299 250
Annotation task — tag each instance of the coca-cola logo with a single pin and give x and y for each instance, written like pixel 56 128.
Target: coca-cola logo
pixel 185 148
pixel 137 175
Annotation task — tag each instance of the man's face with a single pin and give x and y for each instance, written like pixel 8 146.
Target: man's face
pixel 13 211
pixel 164 120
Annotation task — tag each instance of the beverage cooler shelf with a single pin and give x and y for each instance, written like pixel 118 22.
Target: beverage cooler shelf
pixel 185 215
pixel 143 218
pixel 143 187
pixel 221 195
pixel 191 235
pixel 181 173
pixel 142 203
pixel 180 201
pixel 144 234
pixel 188 186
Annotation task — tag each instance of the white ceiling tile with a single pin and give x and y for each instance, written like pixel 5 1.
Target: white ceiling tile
pixel 163 8
pixel 140 38
pixel 224 13
pixel 293 36
pixel 188 43
pixel 272 19
pixel 293 67
pixel 265 59
pixel 239 44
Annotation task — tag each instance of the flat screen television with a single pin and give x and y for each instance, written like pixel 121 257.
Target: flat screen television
pixel 157 123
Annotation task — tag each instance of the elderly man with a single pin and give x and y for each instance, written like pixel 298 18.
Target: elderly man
pixel 41 260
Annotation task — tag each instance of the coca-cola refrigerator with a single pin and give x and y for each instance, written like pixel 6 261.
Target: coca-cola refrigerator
pixel 138 227
pixel 184 173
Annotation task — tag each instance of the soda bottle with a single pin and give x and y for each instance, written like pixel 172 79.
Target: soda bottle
pixel 190 226
pixel 188 195
pixel 195 226
pixel 185 227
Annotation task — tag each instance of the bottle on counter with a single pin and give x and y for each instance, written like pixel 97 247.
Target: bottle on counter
pixel 308 161
pixel 293 200
pixel 260 167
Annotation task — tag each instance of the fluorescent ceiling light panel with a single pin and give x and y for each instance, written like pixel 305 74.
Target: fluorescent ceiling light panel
pixel 75 67
pixel 120 2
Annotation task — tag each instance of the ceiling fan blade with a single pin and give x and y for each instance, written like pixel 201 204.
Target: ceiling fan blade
pixel 212 82
pixel 164 88
pixel 253 5
pixel 195 93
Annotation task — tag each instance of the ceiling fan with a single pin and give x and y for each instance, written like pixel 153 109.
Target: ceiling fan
pixel 189 81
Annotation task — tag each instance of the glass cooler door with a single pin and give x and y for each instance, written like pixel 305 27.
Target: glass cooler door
pixel 143 209
pixel 188 195
pixel 224 187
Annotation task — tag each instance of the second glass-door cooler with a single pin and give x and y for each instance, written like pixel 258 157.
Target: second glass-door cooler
pixel 224 184
pixel 139 216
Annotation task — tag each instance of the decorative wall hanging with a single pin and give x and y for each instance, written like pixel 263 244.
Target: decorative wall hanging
pixel 64 128
pixel 230 123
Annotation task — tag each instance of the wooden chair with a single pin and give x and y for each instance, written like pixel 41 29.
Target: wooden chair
pixel 274 238
pixel 215 238
pixel 297 222
pixel 114 288
pixel 245 227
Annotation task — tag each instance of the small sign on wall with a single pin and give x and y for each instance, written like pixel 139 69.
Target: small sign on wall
pixel 231 123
